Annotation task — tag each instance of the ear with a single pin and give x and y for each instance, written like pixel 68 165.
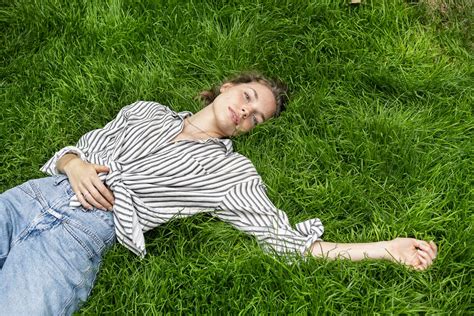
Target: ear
pixel 226 86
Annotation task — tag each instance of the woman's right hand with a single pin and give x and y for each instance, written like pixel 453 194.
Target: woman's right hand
pixel 85 182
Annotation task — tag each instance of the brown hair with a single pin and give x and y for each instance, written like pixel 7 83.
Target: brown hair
pixel 279 89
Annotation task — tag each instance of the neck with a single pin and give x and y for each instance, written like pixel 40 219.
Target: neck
pixel 202 125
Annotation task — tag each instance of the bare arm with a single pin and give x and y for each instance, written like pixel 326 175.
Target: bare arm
pixel 85 183
pixel 417 254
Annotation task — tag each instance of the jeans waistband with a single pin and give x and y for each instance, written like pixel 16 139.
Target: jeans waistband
pixel 54 194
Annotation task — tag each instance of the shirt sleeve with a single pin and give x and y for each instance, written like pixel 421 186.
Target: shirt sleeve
pixel 247 207
pixel 96 140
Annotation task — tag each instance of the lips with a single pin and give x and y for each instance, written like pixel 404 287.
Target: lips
pixel 234 117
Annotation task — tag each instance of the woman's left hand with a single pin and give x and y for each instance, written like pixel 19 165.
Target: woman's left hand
pixel 414 253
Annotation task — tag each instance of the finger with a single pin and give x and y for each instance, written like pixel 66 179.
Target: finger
pixel 424 259
pixel 82 200
pixel 420 267
pixel 102 200
pixel 416 263
pixel 96 199
pixel 425 256
pixel 105 192
pixel 89 198
pixel 100 168
pixel 423 245
pixel 434 247
pixel 431 251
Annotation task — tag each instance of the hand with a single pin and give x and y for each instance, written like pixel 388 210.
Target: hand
pixel 411 252
pixel 85 182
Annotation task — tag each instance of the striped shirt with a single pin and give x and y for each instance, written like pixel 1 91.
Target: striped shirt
pixel 155 180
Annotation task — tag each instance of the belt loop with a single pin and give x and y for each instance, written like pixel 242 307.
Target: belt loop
pixel 58 178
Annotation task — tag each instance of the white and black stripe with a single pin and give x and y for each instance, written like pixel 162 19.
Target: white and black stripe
pixel 154 180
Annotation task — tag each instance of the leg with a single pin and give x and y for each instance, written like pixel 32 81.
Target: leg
pixel 18 210
pixel 49 273
pixel 52 267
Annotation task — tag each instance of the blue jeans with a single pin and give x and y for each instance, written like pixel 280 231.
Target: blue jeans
pixel 50 253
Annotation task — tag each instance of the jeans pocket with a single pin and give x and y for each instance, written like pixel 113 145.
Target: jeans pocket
pixel 86 242
pixel 104 226
pixel 105 217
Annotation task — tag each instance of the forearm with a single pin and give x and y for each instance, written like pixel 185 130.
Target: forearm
pixel 64 160
pixel 352 251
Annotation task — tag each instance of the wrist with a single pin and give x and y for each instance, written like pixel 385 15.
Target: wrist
pixel 67 162
pixel 387 248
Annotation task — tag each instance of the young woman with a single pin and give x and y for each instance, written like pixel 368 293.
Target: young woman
pixel 147 166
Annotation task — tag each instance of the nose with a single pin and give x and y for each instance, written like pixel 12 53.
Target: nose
pixel 245 111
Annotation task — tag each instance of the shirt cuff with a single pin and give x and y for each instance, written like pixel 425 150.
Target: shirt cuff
pixel 50 166
pixel 312 229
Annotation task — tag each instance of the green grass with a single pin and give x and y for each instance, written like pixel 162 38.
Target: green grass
pixel 376 141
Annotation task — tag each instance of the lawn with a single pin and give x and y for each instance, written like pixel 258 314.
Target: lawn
pixel 376 140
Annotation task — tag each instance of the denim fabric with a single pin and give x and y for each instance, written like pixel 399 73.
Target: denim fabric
pixel 49 252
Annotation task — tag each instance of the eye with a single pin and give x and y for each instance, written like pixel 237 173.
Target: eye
pixel 247 96
pixel 254 119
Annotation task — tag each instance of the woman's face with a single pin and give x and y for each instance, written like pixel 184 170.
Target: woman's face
pixel 241 107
